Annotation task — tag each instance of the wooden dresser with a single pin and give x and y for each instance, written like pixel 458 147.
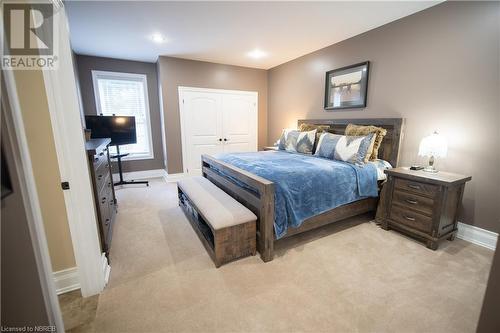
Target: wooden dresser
pixel 423 204
pixel 104 191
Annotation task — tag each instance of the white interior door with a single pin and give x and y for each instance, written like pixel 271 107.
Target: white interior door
pixel 239 116
pixel 202 128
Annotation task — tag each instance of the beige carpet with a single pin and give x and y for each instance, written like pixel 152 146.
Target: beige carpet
pixel 348 277
pixel 78 313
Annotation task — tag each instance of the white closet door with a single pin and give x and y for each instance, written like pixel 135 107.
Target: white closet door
pixel 202 127
pixel 239 116
pixel 215 121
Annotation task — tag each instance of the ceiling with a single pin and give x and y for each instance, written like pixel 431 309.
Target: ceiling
pixel 224 32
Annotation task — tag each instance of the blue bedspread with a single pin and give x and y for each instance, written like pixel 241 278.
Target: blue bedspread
pixel 306 185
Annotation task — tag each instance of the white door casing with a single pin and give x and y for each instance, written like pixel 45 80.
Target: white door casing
pixel 62 98
pixel 215 121
pixel 22 161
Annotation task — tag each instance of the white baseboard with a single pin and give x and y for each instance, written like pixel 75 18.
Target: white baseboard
pixel 477 235
pixel 66 280
pixel 106 269
pixel 148 174
pixel 145 174
pixel 173 177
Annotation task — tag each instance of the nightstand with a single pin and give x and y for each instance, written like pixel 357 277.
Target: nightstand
pixel 423 204
pixel 271 148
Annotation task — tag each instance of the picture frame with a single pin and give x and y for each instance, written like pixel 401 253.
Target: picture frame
pixel 347 87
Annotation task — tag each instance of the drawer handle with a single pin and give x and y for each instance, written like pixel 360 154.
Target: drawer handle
pixel 101 153
pixel 96 159
pixel 103 200
pixel 410 201
pixel 415 187
pixel 409 218
pixel 106 222
pixel 99 177
pixel 109 184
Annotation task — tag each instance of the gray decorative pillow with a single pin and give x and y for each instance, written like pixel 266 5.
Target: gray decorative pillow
pixel 296 141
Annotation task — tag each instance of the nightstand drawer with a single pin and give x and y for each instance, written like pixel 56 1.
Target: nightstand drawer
pixel 411 219
pixel 415 187
pixel 416 202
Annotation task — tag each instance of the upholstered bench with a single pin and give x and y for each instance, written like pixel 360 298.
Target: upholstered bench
pixel 225 227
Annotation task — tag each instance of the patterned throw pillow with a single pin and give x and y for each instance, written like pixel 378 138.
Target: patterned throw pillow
pixel 296 141
pixel 352 149
pixel 380 132
pixel 304 127
pixel 282 139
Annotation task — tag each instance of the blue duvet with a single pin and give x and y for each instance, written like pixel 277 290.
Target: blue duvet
pixel 306 185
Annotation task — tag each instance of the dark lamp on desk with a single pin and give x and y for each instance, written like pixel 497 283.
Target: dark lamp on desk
pixel 432 146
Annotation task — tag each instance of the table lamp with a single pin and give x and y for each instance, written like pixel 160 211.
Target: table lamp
pixel 432 146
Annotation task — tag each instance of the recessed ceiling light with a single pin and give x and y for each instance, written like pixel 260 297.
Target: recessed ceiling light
pixel 158 38
pixel 257 54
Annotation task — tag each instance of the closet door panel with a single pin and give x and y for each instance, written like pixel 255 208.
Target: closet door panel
pixel 239 116
pixel 203 127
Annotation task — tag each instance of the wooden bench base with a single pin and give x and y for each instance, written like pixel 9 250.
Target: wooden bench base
pixel 223 245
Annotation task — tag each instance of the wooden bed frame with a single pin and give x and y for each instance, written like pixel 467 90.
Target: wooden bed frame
pixel 261 201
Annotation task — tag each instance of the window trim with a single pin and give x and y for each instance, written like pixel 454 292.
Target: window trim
pixel 97 74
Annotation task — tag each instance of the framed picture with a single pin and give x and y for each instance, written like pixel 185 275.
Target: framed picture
pixel 347 87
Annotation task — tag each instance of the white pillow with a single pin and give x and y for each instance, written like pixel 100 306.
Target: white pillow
pixel 381 165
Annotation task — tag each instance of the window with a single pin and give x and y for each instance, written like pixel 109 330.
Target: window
pixel 126 94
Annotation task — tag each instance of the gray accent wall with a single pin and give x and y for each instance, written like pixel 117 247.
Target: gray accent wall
pixel 439 69
pixel 175 72
pixel 86 64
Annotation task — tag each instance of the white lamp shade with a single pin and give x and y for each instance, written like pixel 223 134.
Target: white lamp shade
pixel 433 145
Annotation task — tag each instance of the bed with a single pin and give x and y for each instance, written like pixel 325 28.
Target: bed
pixel 258 180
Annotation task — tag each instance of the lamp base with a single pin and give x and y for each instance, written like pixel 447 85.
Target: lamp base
pixel 430 169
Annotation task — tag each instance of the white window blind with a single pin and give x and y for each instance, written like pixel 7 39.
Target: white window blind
pixel 125 94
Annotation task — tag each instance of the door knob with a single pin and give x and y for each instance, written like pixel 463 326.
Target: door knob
pixel 220 139
pixel 225 139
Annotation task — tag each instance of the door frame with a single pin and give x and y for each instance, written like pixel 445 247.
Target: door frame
pixel 22 160
pixel 183 89
pixel 64 109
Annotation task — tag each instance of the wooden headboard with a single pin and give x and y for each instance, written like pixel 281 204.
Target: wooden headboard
pixel 389 150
